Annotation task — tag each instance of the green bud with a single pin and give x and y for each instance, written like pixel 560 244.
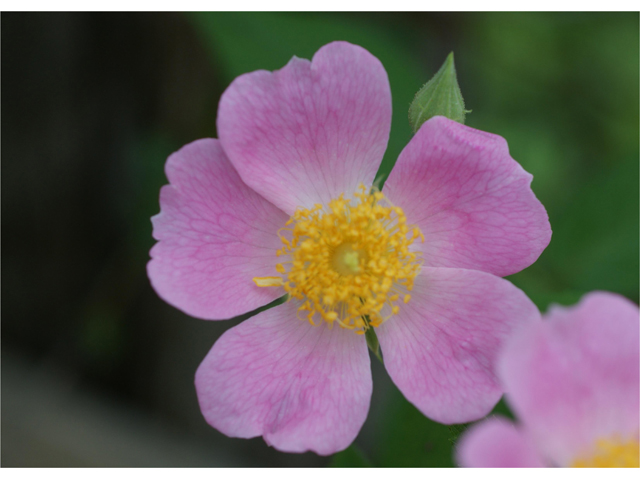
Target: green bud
pixel 439 96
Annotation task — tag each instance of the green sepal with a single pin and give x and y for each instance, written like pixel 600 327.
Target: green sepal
pixel 372 341
pixel 439 96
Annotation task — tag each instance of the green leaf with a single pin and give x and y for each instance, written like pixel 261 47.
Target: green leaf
pixel 409 439
pixel 502 409
pixel 351 457
pixel 455 431
pixel 439 96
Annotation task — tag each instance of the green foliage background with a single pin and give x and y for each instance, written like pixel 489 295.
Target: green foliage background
pixel 562 88
pixel 96 102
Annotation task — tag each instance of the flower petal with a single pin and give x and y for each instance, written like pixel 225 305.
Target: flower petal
pixel 496 443
pixel 574 378
pixel 308 132
pixel 472 201
pixel 440 349
pixel 215 234
pixel 301 387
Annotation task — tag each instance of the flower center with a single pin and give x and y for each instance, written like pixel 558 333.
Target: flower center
pixel 612 453
pixel 348 262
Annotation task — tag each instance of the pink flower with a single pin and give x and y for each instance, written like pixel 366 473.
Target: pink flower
pixel 282 203
pixel 573 382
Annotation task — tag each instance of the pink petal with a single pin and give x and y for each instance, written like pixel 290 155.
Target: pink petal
pixel 301 387
pixel 440 350
pixel 574 378
pixel 471 200
pixel 496 443
pixel 310 131
pixel 215 234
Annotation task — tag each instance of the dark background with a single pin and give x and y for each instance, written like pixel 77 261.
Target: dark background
pixel 96 369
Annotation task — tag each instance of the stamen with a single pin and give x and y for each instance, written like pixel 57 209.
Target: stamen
pixel 612 453
pixel 348 260
pixel 268 281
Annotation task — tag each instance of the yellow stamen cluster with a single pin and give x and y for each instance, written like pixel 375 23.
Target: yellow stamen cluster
pixel 349 260
pixel 612 453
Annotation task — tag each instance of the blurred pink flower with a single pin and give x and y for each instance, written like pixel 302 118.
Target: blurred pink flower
pixel 282 203
pixel 573 382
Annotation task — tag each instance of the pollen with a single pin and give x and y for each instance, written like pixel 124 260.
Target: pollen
pixel 612 453
pixel 349 262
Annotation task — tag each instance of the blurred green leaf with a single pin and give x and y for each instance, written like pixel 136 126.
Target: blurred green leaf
pixel 455 431
pixel 351 457
pixel 503 409
pixel 409 439
pixel 596 237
